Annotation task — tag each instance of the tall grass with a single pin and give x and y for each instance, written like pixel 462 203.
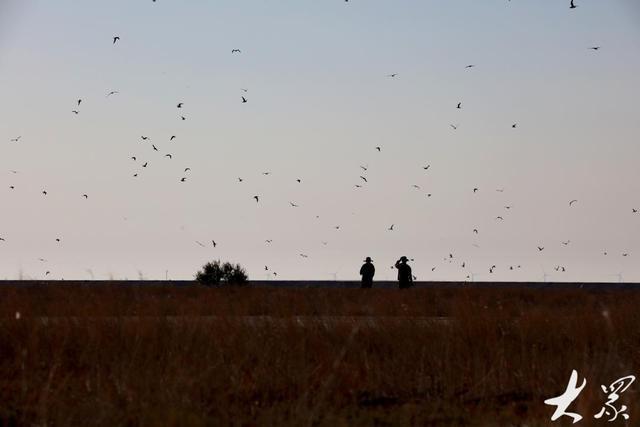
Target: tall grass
pixel 119 355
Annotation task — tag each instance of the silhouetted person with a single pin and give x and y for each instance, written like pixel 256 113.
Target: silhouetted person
pixel 405 279
pixel 367 271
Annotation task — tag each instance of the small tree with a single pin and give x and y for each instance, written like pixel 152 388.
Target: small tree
pixel 213 273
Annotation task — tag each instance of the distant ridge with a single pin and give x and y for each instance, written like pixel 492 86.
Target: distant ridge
pixel 339 284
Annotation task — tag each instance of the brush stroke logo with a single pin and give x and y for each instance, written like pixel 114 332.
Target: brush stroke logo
pixel 613 391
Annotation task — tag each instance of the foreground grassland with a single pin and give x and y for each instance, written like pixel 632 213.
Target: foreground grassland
pixel 127 356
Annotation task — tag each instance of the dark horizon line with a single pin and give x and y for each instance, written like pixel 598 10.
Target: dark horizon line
pixel 384 284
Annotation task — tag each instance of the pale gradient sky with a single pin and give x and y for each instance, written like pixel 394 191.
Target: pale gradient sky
pixel 319 103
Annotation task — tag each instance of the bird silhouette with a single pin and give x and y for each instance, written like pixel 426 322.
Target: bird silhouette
pixel 304 256
pixel 45 192
pixel 115 39
pixel 500 218
pixel 572 5
pixel 244 100
pixel 634 210
pixel 454 127
pixel 172 138
pixel 200 243
pixel 364 168
pixel 16 139
pixel 187 169
pixel 294 205
pixel 180 104
pixel 459 107
pixel 257 198
pixel 299 181
pixel 392 75
pixel 426 167
pixel 183 179
pixel 363 178
pixel 183 118
pixel 541 248
pixel 378 148
pixel 79 101
pixel 134 158
pixel 566 243
pixel 514 125
pixel 113 92
pixel 268 241
pixel 572 202
pixel 154 147
pixel 594 47
pixel 85 196
pixel 169 156
pixel 235 51
pixel 214 243
pixel 470 66
pixel 475 230
pixel 240 180
pixel 145 164
pixel 76 112
pixel 475 190
pixel 144 138
pixel 416 186
pixel 391 228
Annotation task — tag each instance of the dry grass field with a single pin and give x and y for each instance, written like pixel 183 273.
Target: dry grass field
pixel 191 356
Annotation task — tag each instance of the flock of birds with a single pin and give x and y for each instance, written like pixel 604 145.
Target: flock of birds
pixel 363 180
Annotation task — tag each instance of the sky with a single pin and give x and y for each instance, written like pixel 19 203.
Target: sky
pixel 319 102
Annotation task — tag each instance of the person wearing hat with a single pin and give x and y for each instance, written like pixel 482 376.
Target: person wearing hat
pixel 405 278
pixel 367 271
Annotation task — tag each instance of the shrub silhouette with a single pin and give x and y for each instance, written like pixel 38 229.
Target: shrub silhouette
pixel 213 273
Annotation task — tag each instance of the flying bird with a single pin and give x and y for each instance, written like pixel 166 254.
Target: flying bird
pixel 392 75
pixel 572 6
pixel 115 39
pixel 594 47
pixel 500 218
pixel 75 112
pixel 257 198
pixel 378 148
pixel 454 127
pixel 214 243
pixel 416 186
pixel 154 147
pixel 113 92
pixel 299 181
pixel 199 243
pixel 145 164
pixel 79 101
pixel 566 243
pixel 187 169
pixel 514 125
pixel 183 179
pixel 244 100
pixel 459 107
pixel 169 156
pixel 144 138
pixel 470 66
pixel 363 178
pixel 235 51
pixel 391 228
pixel 180 104
pixel 294 205
pixel 44 192
pixel 304 256
pixel 540 248
pixel 572 202
pixel 183 117
pixel 475 190
pixel 85 196
pixel 16 139
pixel 426 167
pixel 172 138
pixel 364 168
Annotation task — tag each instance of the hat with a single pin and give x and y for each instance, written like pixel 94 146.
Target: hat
pixel 404 258
pixel 368 259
